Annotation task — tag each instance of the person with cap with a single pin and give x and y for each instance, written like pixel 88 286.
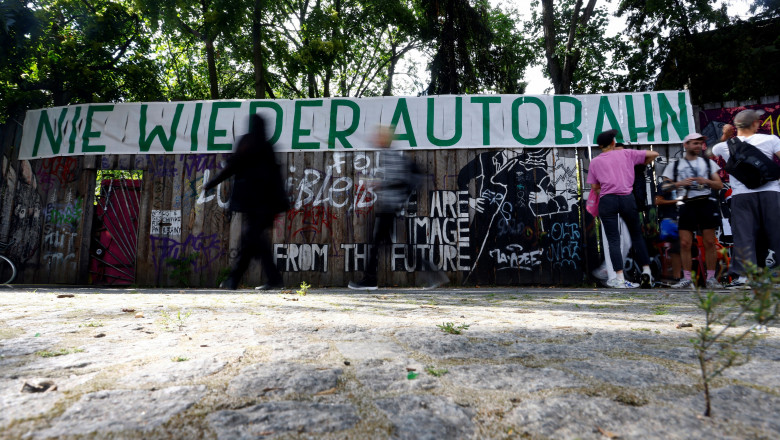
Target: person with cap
pixel 751 209
pixel 696 176
pixel 611 176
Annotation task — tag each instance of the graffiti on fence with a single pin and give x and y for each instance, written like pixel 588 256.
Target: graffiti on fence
pixel 524 206
pixel 209 247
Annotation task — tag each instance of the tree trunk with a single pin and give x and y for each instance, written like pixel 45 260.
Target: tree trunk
pixel 257 49
pixel 388 91
pixel 562 76
pixel 550 41
pixel 212 64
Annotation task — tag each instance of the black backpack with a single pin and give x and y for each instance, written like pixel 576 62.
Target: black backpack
pixel 749 165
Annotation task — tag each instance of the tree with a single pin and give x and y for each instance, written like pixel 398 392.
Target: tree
pixel 455 31
pixel 475 48
pixel 652 26
pixel 769 8
pixel 205 21
pixel 563 34
pixel 63 52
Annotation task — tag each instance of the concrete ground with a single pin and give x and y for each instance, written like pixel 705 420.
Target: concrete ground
pixel 529 363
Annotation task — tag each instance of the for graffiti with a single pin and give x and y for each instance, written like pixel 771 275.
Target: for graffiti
pixel 513 257
pixel 67 214
pixel 203 198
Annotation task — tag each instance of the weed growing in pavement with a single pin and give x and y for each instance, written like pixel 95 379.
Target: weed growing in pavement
pixel 719 344
pixel 304 288
pixel 60 352
pixel 436 372
pixel 179 359
pixel 169 321
pixel 451 328
pixel 661 310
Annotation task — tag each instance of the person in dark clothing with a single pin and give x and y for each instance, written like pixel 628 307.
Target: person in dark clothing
pixel 258 193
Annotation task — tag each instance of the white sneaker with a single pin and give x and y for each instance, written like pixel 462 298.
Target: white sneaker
pixel 739 283
pixel 713 284
pixel 614 283
pixel 684 283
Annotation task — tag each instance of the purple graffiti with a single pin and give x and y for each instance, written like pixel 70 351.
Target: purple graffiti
pixel 208 246
pixel 198 163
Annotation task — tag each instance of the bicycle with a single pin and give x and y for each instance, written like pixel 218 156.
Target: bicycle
pixel 7 267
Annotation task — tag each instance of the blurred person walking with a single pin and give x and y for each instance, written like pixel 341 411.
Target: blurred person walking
pixel 400 177
pixel 259 194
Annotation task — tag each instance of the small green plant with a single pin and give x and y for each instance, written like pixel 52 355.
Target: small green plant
pixel 60 352
pixel 304 288
pixel 451 328
pixel 436 372
pixel 181 268
pixel 719 344
pixel 661 310
pixel 169 321
pixel 179 359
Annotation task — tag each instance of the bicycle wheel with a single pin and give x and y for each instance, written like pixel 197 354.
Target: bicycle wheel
pixel 7 270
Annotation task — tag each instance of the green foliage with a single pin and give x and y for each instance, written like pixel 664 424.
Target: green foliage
pixel 60 352
pixel 182 267
pixel 179 359
pixel 58 52
pixel 436 372
pixel 583 57
pixel 304 288
pixel 101 190
pixel 719 343
pixel 653 28
pixel 451 328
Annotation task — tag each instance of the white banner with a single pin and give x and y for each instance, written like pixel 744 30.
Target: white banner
pixel 434 122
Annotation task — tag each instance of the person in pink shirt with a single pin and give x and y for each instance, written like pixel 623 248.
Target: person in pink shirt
pixel 611 176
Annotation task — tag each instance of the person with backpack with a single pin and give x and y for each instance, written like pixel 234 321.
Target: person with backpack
pixel 611 177
pixel 752 207
pixel 696 177
pixel 401 176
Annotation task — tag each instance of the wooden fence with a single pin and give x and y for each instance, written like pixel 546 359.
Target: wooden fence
pixel 499 216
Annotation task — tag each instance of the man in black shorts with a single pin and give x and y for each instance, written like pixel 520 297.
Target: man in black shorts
pixel 694 177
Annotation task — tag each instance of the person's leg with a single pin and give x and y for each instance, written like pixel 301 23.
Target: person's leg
pixel 246 250
pixel 629 214
pixel 383 228
pixel 744 225
pixel 265 252
pixel 770 206
pixel 608 213
pixel 607 259
pixel 686 240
